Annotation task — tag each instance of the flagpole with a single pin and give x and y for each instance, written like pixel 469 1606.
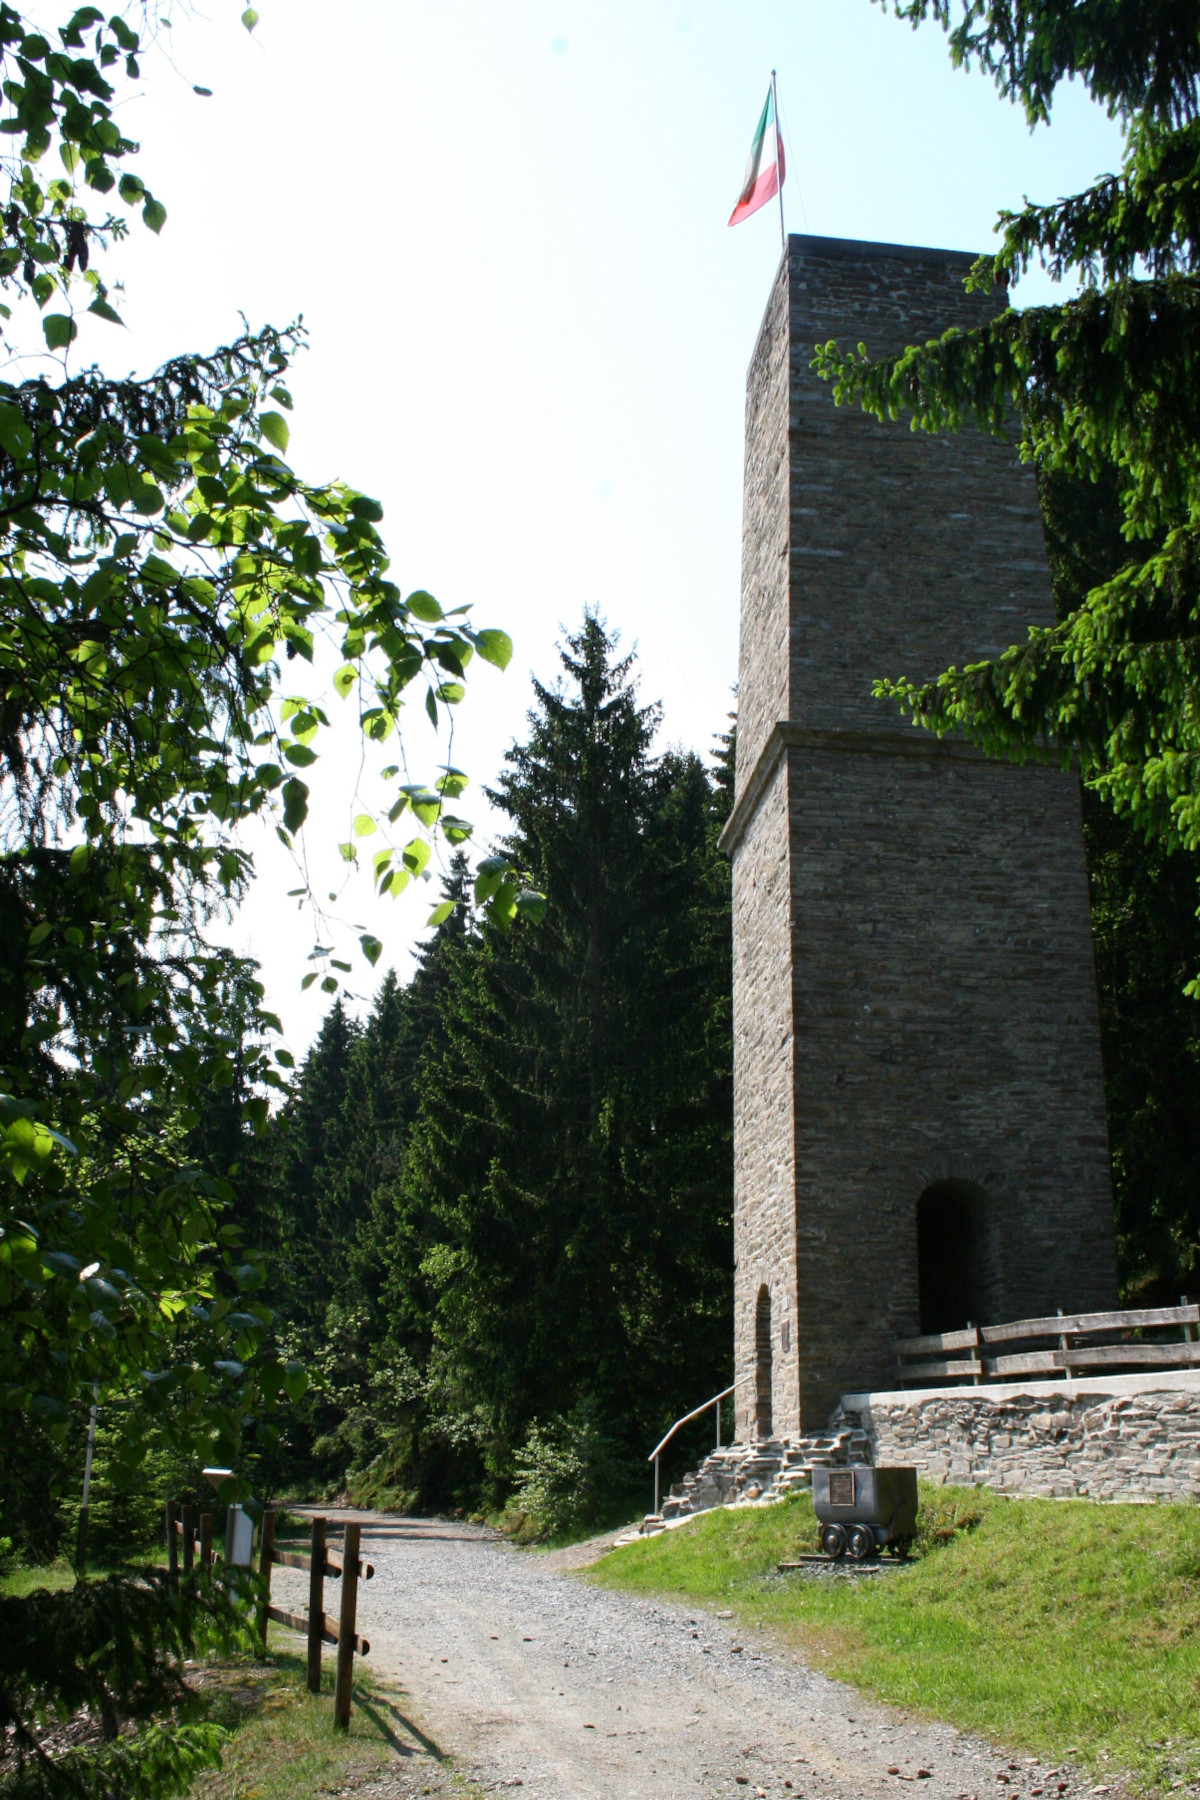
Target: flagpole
pixel 778 156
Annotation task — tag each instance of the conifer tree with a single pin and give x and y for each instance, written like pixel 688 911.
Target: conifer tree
pixel 1102 387
pixel 327 1195
pixel 308 1226
pixel 571 1163
pixel 1101 390
pixel 525 1153
pixel 1147 941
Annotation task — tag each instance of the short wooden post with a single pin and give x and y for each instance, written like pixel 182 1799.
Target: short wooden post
pixel 1064 1344
pixel 346 1619
pixel 316 1605
pixel 266 1555
pixel 206 1522
pixel 1189 1331
pixel 189 1543
pixel 172 1543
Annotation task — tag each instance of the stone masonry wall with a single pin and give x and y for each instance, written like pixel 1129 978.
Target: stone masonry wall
pixel 910 551
pixel 914 990
pixel 765 621
pixel 1122 1439
pixel 945 1018
pixel 763 1145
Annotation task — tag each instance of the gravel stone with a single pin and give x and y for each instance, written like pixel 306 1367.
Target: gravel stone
pixel 504 1670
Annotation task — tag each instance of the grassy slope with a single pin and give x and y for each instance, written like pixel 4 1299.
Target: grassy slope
pixel 1061 1626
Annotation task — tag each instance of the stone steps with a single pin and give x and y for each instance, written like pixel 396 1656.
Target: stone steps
pixel 739 1474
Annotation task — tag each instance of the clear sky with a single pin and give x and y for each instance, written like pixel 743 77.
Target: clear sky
pixel 505 228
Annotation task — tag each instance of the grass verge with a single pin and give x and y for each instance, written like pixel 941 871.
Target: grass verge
pixel 282 1741
pixel 1063 1627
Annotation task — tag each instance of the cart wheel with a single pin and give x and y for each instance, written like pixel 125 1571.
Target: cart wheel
pixel 833 1540
pixel 862 1542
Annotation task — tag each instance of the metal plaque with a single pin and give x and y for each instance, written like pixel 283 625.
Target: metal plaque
pixel 841 1487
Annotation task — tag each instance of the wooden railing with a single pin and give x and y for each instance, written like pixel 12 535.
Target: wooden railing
pixel 1067 1344
pixel 190 1540
pixel 320 1560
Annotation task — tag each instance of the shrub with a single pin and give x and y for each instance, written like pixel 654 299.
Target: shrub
pixel 561 1471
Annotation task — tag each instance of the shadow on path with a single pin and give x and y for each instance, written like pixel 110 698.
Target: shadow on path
pixel 376 1709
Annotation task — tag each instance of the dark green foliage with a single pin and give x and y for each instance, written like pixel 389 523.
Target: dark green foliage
pixel 574 1156
pixel 161 565
pixel 1101 388
pixel 1147 940
pixel 1134 56
pixel 534 1180
pixel 345 1272
pixel 1101 391
pixel 311 1237
pixel 113 1651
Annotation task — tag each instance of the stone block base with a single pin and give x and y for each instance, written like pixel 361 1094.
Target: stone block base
pixel 1131 1438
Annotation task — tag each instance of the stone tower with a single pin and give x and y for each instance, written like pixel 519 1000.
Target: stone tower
pixel 920 1135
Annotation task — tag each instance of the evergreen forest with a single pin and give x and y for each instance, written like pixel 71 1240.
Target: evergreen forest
pixel 498 1208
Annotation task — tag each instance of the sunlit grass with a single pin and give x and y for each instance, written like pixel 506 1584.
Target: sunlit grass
pixel 283 1742
pixel 1061 1627
pixel 17 1581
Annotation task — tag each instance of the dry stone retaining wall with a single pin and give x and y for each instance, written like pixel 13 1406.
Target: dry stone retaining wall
pixel 1122 1439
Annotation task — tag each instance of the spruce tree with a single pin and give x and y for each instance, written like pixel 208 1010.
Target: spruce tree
pixel 1147 941
pixel 1102 387
pixel 328 1195
pixel 572 1158
pixel 302 1217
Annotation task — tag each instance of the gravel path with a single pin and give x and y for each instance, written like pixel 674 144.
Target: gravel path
pixel 528 1677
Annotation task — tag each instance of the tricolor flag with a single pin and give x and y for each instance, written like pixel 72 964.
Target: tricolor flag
pixel 765 170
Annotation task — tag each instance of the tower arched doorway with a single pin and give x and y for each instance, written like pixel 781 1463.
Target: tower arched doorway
pixel 952 1276
pixel 762 1364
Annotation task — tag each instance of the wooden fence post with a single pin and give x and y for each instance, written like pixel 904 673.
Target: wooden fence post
pixel 266 1552
pixel 346 1618
pixel 316 1605
pixel 189 1543
pixel 206 1524
pixel 172 1543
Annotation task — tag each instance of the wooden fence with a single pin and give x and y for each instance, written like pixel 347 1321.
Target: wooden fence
pixel 321 1560
pixel 1067 1344
pixel 190 1542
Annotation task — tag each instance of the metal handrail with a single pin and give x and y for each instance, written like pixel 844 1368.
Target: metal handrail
pixel 686 1420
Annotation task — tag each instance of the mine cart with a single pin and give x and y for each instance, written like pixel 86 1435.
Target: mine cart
pixel 862 1510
